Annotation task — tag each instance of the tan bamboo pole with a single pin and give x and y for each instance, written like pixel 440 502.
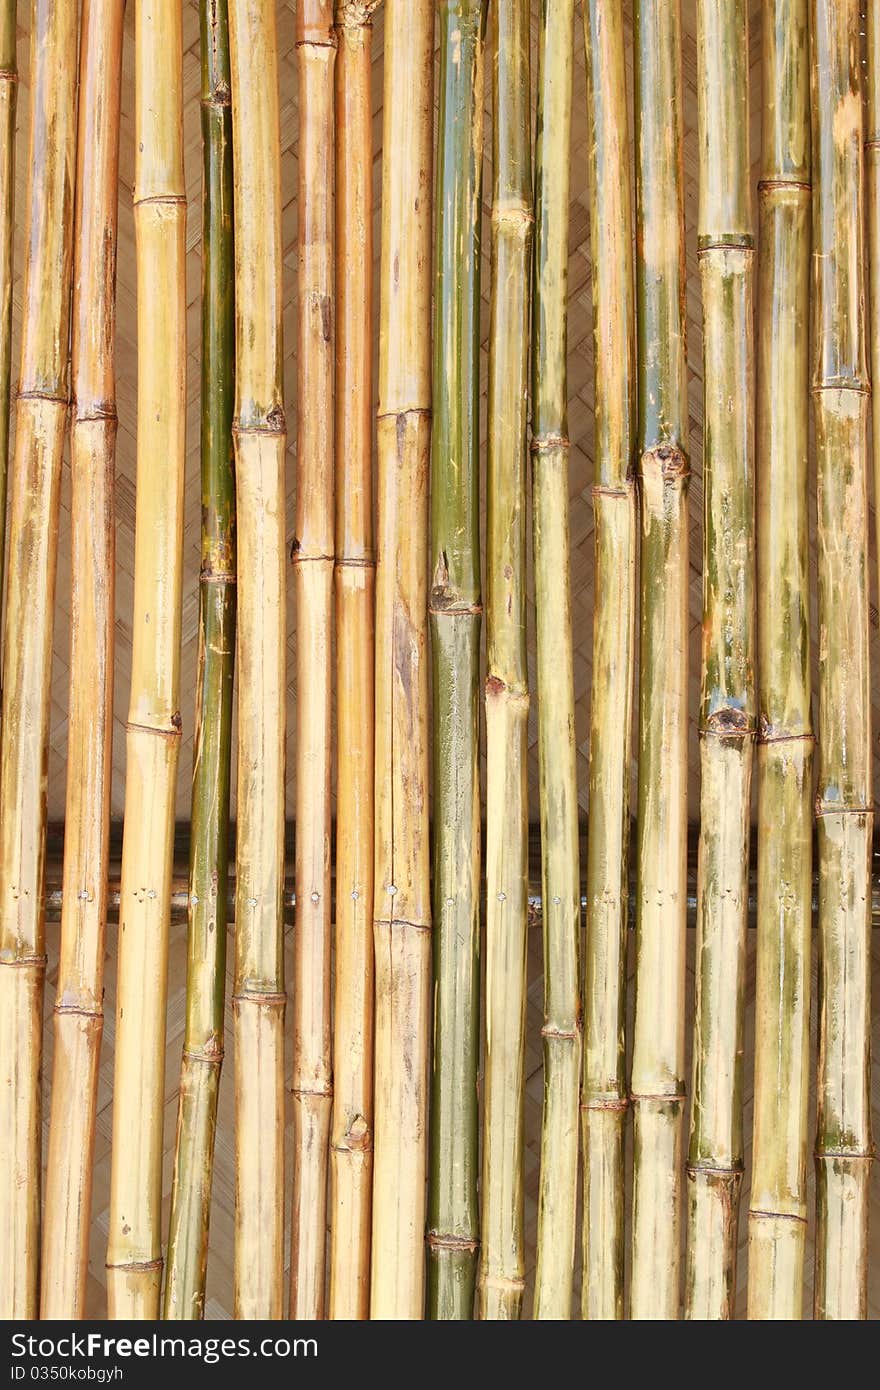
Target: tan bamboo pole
pixel 134 1246
pixel 844 799
pixel 604 1098
pixel 727 703
pixel 312 556
pixel 351 1140
pixel 402 871
pixel 502 1256
pixel 79 1013
pixel 657 1086
pixel 872 196
pixel 778 1205
pixel 8 105
pixel 33 526
pixel 260 437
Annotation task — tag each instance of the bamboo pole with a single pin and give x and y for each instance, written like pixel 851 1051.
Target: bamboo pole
pixel 455 610
pixel 259 436
pixel 313 557
pixel 209 818
pixel 402 932
pixel 872 194
pixel 657 1087
pixel 502 1263
pixel 33 525
pixel 844 800
pixel 614 507
pixel 727 700
pixel 134 1246
pixel 351 1146
pixel 778 1210
pixel 79 1013
pixel 557 1198
pixel 8 104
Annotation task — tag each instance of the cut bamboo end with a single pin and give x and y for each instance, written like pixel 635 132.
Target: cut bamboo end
pixel 710 1270
pixel 603 1221
pixel 656 1257
pixel 259 1169
pixel 776 1266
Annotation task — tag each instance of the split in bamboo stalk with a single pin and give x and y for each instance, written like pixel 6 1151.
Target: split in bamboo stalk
pixel 778 1211
pixel 604 1097
pixel 502 1262
pixel 455 619
pixel 560 868
pixel 351 1136
pixel 33 528
pixel 209 818
pixel 260 436
pixel 844 800
pixel 79 1012
pixel 134 1247
pixel 727 697
pixel 657 1086
pixel 8 103
pixel 402 870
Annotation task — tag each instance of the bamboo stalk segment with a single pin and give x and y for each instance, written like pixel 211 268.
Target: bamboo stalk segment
pixel 872 196
pixel 351 1139
pixel 259 435
pixel 502 1262
pixel 455 609
pixel 402 930
pixel 844 800
pixel 604 1098
pixel 209 818
pixel 8 105
pixel 79 1014
pixel 656 1086
pixel 557 1198
pixel 778 1210
pixel 33 525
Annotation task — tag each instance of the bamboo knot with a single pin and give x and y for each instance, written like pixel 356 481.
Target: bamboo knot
pixel 465 1244
pixel 9 75
pixel 731 722
pixel 549 443
pixel 23 962
pixel 612 1103
pixel 355 14
pixel 668 460
pixel 134 1266
pixel 784 186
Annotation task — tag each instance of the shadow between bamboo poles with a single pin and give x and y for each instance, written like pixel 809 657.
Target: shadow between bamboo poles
pixel 351 1136
pixel 604 1098
pixel 209 833
pixel 727 702
pixel 402 930
pixel 134 1246
pixel 844 800
pixel 778 1206
pixel 8 105
pixel 557 1199
pixel 657 1087
pixel 502 1255
pixel 41 418
pixel 455 615
pixel 259 435
pixel 79 1013
pixel 312 558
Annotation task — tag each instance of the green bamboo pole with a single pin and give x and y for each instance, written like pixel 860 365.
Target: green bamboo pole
pixel 557 1200
pixel 614 506
pixel 727 700
pixel 455 620
pixel 502 1263
pixel 844 800
pixel 8 102
pixel 209 820
pixel 657 1086
pixel 778 1209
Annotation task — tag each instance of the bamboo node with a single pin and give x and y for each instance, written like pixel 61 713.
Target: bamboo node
pixel 784 186
pixel 613 1103
pixel 549 443
pixel 355 14
pixel 436 1241
pixel 9 75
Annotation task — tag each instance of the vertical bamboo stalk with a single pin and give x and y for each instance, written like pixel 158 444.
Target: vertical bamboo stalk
pixel 209 819
pixel 844 801
pixel 8 103
pixel 727 699
pixel 33 524
pixel 312 557
pixel 259 436
pixel 614 508
pixel 502 1264
pixel 657 1086
pixel 79 1013
pixel 455 610
pixel 402 871
pixel 560 869
pixel 134 1246
pixel 351 1146
pixel 872 193
pixel 777 1215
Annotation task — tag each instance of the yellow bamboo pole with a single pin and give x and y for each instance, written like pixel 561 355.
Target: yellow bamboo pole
pixel 33 527
pixel 8 105
pixel 79 1013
